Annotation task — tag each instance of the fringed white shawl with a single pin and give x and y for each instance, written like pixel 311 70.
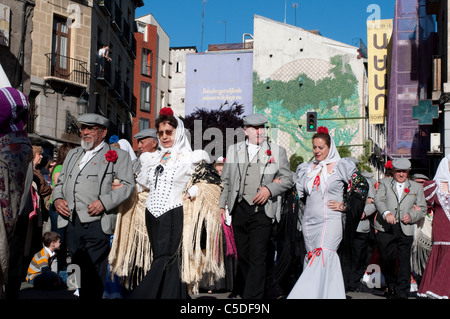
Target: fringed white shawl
pixel 130 257
pixel 201 212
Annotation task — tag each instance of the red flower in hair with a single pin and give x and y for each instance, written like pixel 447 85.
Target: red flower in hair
pixel 322 129
pixel 111 156
pixel 388 165
pixel 166 111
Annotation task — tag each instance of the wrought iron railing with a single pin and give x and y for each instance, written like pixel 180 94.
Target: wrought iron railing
pixel 67 68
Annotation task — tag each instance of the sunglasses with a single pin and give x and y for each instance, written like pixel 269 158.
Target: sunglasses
pixel 167 132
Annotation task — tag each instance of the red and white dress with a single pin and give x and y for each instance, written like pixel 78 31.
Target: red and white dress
pixel 436 279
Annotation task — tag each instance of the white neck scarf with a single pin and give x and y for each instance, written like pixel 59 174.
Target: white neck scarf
pixel 321 168
pixel 442 172
pixel 181 143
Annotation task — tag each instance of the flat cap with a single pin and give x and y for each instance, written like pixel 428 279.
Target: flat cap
pixel 93 119
pixel 421 176
pixel 401 164
pixel 149 132
pixel 255 120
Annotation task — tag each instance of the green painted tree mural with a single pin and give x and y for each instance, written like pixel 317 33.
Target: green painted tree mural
pixel 334 97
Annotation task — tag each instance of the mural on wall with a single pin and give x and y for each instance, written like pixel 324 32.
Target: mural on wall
pixel 328 87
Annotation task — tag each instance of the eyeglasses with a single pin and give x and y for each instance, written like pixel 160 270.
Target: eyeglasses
pixel 89 128
pixel 167 132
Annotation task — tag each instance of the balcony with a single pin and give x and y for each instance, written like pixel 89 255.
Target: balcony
pixel 104 73
pixel 67 69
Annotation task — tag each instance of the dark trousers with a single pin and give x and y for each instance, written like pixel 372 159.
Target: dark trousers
pixel 393 246
pixel 362 249
pixel 89 248
pixel 251 232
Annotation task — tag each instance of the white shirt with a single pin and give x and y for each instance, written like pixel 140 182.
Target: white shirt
pixel 252 150
pixel 90 154
pixel 400 190
pixel 165 193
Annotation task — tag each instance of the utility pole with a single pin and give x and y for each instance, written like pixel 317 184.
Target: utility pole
pixel 203 25
pixel 295 6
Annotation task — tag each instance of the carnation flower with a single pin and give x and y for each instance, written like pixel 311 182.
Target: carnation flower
pixel 166 111
pixel 111 156
pixel 322 129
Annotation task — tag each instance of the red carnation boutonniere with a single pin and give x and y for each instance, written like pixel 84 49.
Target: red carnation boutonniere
pixel 111 156
pixel 271 159
pixel 406 190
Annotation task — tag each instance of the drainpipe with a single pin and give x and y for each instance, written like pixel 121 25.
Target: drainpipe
pixel 22 44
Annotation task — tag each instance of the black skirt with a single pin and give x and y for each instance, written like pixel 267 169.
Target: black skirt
pixel 163 280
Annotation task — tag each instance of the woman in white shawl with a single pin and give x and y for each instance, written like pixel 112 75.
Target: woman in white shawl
pixel 321 182
pixel 165 173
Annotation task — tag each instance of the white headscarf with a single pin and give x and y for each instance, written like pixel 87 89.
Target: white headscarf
pixel 181 143
pixel 126 146
pixel 442 172
pixel 333 156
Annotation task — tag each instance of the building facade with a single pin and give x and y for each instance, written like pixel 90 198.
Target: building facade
pixel 65 80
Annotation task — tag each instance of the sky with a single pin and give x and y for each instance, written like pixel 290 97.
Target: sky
pixel 202 22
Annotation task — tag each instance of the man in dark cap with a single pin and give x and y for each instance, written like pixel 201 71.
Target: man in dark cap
pixel 84 198
pixel 251 194
pixel 400 204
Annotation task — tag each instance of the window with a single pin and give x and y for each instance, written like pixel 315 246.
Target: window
pixel 60 47
pixel 163 68
pixel 145 104
pixel 179 67
pixel 144 124
pixel 146 62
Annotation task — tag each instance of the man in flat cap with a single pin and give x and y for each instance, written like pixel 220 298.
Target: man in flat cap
pixel 84 198
pixel 400 204
pixel 255 173
pixel 147 142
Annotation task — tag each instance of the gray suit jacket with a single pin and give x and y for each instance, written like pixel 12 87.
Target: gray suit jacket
pixel 369 209
pixel 386 200
pixel 96 183
pixel 236 165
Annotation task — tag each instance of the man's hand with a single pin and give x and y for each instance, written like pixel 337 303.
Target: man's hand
pixel 406 219
pixel 61 207
pixel 390 218
pixel 262 196
pixel 95 208
pixel 116 185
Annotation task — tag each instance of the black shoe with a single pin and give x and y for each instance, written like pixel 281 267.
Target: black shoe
pixel 390 293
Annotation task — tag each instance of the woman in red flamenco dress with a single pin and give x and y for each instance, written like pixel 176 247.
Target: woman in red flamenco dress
pixel 436 280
